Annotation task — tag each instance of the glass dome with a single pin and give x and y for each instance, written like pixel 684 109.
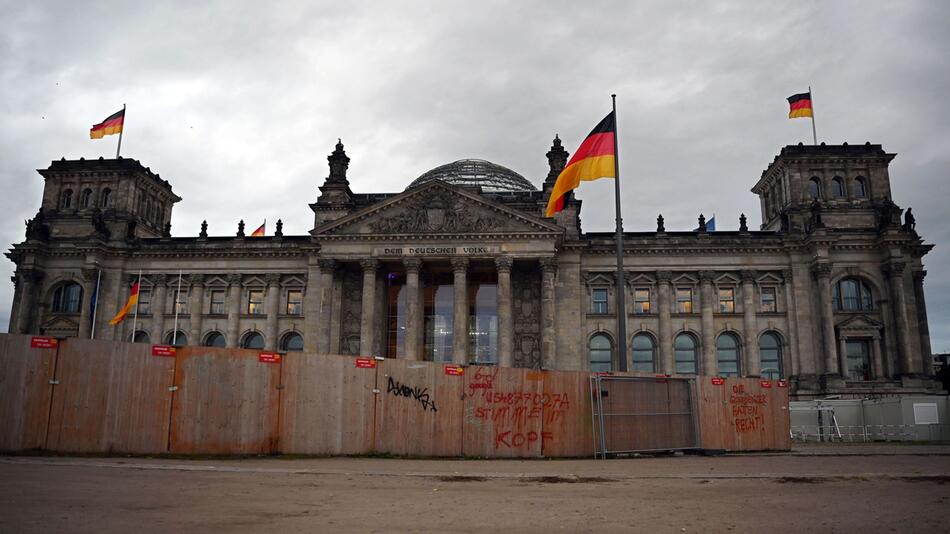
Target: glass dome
pixel 491 177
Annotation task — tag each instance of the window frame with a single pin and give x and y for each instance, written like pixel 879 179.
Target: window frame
pixel 213 335
pixel 62 302
pixel 766 365
pixel 595 302
pixel 286 337
pixel 255 307
pixel 144 305
pixel 838 188
pixel 212 302
pixel 688 303
pixel 245 340
pixel 694 361
pixel 596 366
pixel 860 187
pixel 863 300
pixel 726 305
pixel 179 306
pixel 178 341
pixel 641 306
pixel 865 358
pixel 297 309
pixel 816 193
pixel 735 349
pixel 763 307
pixel 634 351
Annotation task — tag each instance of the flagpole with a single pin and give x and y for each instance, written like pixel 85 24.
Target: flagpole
pixel 620 285
pixel 814 133
pixel 135 317
pixel 177 296
pixel 95 307
pixel 118 148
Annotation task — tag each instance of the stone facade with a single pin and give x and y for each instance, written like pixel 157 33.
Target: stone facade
pixel 828 293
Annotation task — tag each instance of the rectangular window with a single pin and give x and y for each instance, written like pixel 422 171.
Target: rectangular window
pixel 295 302
pixel 255 302
pixel 727 300
pixel 768 300
pixel 145 301
pixel 641 301
pixel 599 301
pixel 181 302
pixel 684 300
pixel 217 302
pixel 858 358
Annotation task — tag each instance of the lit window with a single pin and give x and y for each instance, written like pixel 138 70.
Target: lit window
pixel 770 354
pixel 181 301
pixel 599 301
pixel 292 342
pixel 255 302
pixel 644 351
pixel 727 353
pixel 851 294
pixel 67 298
pixel 294 302
pixel 727 300
pixel 685 350
pixel 684 300
pixel 767 300
pixel 217 302
pixel 641 301
pixel 601 352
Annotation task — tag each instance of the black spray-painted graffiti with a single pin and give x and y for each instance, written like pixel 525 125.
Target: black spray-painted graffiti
pixel 418 394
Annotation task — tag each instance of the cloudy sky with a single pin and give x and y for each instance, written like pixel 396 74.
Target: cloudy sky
pixel 239 103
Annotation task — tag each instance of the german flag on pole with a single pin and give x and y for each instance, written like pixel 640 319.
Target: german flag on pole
pixel 594 159
pixel 800 106
pixel 130 305
pixel 260 230
pixel 112 125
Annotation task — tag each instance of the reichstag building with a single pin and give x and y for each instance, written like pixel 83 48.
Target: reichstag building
pixel 462 266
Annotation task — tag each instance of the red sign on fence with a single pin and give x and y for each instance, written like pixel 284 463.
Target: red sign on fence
pixel 163 350
pixel 44 342
pixel 718 380
pixel 454 370
pixel 767 384
pixel 268 357
pixel 365 363
pixel 781 383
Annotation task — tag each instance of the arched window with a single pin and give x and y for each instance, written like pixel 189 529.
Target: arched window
pixel 727 354
pixel 66 199
pixel 85 200
pixel 851 294
pixel 860 187
pixel 685 348
pixel 253 340
pixel 214 339
pixel 770 354
pixel 644 353
pixel 601 352
pixel 141 336
pixel 292 342
pixel 179 340
pixel 105 198
pixel 814 188
pixel 837 187
pixel 67 298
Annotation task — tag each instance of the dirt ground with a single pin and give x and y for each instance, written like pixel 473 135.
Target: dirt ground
pixel 819 489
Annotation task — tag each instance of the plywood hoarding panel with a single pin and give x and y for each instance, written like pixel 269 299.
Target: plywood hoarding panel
pixel 566 422
pixel 504 410
pixel 25 392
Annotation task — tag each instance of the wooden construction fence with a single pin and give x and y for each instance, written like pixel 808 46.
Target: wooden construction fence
pixel 87 396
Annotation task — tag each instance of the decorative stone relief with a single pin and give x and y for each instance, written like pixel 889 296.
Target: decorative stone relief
pixel 351 309
pixel 526 293
pixel 438 211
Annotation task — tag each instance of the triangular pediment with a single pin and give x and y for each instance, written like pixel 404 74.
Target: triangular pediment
pixel 58 326
pixel 435 209
pixel 859 323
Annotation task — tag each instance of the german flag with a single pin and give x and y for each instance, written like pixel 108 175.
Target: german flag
pixel 260 230
pixel 130 305
pixel 595 158
pixel 800 105
pixel 112 125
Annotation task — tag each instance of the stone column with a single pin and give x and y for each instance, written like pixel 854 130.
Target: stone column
pixel 327 272
pixel 506 324
pixel 311 305
pixel 923 326
pixel 413 347
pixel 28 280
pixel 368 317
pixel 548 310
pixel 273 309
pixel 195 308
pixel 159 287
pixel 790 363
pixel 843 355
pixel 753 363
pixel 665 301
pixel 234 309
pixel 895 275
pixel 823 274
pixel 85 311
pixel 877 360
pixel 460 321
pixel 710 366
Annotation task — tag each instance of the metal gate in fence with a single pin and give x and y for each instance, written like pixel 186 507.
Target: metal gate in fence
pixel 639 414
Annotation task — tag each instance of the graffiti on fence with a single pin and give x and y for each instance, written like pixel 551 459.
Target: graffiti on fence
pixel 747 409
pixel 421 395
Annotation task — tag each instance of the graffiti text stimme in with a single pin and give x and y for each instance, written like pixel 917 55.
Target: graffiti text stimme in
pixel 416 393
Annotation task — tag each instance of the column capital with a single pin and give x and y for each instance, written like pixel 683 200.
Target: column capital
pixel 503 263
pixel 894 268
pixel 548 264
pixel 89 274
pixel 664 277
pixel 30 275
pixel 272 279
pixel 327 264
pixel 787 275
pixel 412 265
pixel 822 269
pixel 706 277
pixel 234 279
pixel 748 275
pixel 369 265
pixel 459 264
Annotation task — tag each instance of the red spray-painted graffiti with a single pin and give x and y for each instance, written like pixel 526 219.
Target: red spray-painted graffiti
pixel 747 409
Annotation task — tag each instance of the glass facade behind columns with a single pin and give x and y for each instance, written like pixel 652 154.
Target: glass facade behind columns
pixel 483 318
pixel 438 297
